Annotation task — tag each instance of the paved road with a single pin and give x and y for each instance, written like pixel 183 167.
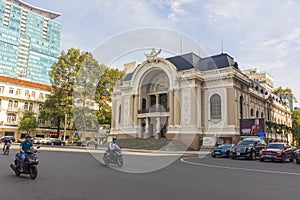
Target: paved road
pixel 74 175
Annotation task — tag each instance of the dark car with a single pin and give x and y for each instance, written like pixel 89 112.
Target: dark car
pixel 297 156
pixel 222 150
pixel 277 152
pixel 55 142
pixel 248 148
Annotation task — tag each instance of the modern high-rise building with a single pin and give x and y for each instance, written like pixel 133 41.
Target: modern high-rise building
pixel 29 41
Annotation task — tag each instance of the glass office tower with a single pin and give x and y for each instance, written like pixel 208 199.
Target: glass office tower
pixel 29 41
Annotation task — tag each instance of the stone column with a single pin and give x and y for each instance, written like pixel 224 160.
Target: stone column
pixel 113 115
pixel 132 108
pixel 171 108
pixel 139 129
pixel 157 131
pixel 146 128
pixel 135 113
pixel 177 111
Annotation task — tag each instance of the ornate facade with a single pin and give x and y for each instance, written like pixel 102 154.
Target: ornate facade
pixel 188 97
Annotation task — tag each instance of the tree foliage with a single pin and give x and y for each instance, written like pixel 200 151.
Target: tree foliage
pixel 284 91
pixel 63 76
pixel 296 124
pixel 81 88
pixel 28 123
pixel 107 82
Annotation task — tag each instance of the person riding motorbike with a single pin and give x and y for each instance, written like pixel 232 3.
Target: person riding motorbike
pixel 6 141
pixel 113 147
pixel 25 146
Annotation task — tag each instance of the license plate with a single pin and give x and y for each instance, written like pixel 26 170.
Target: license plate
pixel 238 153
pixel 217 153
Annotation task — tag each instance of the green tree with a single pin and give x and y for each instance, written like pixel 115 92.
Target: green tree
pixel 107 82
pixel 63 75
pixel 28 123
pixel 284 91
pixel 84 112
pixel 296 125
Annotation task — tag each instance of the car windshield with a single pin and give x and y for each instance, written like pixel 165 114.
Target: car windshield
pixel 246 142
pixel 275 146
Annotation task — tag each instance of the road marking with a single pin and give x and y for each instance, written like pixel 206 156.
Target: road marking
pixel 238 168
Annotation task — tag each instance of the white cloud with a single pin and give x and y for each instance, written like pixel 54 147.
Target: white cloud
pixel 177 10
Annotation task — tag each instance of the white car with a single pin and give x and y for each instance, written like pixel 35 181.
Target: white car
pixel 46 140
pixel 37 140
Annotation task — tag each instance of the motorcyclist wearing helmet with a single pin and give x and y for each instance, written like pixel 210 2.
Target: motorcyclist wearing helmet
pixel 25 146
pixel 6 141
pixel 113 147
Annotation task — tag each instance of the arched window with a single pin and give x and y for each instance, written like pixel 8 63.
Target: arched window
pixel 31 106
pixel 16 104
pixel 40 107
pixel 11 118
pixel 10 104
pixel 120 114
pixel 257 113
pixel 262 115
pixel 215 106
pixel 252 112
pixel 26 106
pixel 241 107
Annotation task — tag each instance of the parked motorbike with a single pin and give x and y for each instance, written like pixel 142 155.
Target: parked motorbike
pixel 30 164
pixel 6 149
pixel 113 157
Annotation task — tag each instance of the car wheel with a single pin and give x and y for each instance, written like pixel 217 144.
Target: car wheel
pixel 283 158
pixel 233 157
pixel 261 160
pixel 298 162
pixel 253 155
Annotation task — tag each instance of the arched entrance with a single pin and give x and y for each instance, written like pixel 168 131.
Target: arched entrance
pixel 154 109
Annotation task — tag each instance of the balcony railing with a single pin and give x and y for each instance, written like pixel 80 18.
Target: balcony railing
pixel 152 110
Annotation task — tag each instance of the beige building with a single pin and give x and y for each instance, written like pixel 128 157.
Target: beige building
pixel 18 96
pixel 263 78
pixel 189 98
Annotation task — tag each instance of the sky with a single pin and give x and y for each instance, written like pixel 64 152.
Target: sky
pixel 257 34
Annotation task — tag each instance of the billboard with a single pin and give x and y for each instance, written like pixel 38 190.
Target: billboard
pixel 252 127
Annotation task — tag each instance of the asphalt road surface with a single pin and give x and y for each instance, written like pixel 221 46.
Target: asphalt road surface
pixel 75 175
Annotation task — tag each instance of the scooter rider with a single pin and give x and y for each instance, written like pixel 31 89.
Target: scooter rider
pixel 6 141
pixel 113 147
pixel 25 146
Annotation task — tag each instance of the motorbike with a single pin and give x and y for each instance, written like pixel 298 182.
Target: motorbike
pixel 113 157
pixel 30 164
pixel 6 148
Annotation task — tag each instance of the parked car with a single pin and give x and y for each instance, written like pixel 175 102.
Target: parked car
pixel 55 142
pixel 277 152
pixel 297 156
pixel 46 140
pixel 248 148
pixel 84 143
pixel 37 140
pixel 222 150
pixel 12 138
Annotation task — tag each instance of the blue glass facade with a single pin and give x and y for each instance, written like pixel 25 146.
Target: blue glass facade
pixel 29 43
